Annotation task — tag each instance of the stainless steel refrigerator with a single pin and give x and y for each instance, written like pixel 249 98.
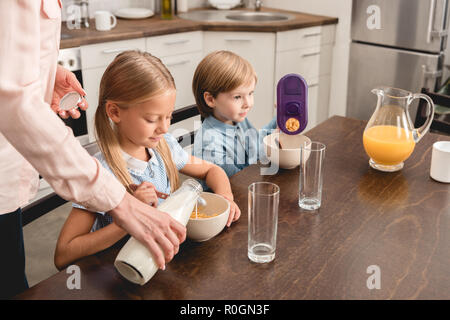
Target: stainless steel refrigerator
pixel 396 43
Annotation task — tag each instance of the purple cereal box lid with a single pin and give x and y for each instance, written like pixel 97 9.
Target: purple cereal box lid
pixel 292 101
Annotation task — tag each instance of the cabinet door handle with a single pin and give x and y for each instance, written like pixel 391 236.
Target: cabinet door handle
pixel 241 40
pixel 312 34
pixel 313 85
pixel 169 43
pixel 118 50
pixel 177 63
pixel 310 54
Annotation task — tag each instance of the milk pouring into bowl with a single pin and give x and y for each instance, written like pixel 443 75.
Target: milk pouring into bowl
pixel 134 262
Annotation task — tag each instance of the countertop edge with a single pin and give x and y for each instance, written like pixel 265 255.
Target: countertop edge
pixel 190 26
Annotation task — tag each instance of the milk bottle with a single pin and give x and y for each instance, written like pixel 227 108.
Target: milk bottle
pixel 134 262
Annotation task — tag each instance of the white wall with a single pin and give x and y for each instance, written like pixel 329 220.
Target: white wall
pixel 335 8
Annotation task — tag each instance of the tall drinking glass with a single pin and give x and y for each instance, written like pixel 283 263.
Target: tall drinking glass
pixel 263 200
pixel 311 176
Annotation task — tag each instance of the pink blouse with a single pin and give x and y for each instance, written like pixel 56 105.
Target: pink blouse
pixel 29 129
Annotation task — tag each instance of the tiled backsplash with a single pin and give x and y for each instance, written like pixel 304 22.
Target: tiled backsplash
pixel 112 5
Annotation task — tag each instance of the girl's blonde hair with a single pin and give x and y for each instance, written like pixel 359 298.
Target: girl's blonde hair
pixel 132 77
pixel 219 71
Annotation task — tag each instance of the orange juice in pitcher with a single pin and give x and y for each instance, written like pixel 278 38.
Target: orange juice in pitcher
pixel 390 137
pixel 388 145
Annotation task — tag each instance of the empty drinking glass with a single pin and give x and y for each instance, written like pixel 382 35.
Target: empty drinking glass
pixel 311 176
pixel 263 200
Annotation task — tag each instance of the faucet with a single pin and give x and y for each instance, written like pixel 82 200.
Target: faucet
pixel 253 4
pixel 84 10
pixel 258 5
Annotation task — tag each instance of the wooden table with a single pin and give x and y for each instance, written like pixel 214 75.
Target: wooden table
pixel 399 222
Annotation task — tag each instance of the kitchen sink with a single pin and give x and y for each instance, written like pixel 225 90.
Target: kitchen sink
pixel 234 16
pixel 258 16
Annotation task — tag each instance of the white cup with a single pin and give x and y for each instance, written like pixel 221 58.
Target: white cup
pixel 104 20
pixel 440 161
pixel 182 5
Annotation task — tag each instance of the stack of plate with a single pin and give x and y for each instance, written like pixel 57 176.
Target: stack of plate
pixel 224 4
pixel 133 13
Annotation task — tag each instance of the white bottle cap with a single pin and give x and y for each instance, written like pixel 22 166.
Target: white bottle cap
pixel 70 101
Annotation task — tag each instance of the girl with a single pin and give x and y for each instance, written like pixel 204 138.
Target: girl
pixel 136 101
pixel 223 87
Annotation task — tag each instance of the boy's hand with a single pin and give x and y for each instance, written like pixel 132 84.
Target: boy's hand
pixel 146 192
pixel 235 212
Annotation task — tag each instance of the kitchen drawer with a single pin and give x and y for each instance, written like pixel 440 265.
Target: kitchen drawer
pixel 182 68
pixel 304 38
pixel 299 38
pixel 308 62
pixel 99 55
pixel 173 44
pixel 305 62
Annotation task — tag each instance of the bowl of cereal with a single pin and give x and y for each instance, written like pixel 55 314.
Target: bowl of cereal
pixel 208 221
pixel 284 149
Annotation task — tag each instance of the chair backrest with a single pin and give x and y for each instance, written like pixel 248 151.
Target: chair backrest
pixel 441 121
pixel 181 115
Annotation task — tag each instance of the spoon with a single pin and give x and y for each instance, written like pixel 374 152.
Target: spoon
pixel 277 141
pixel 201 201
pixel 163 195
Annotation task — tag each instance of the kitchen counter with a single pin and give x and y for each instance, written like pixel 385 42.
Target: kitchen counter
pixel 398 222
pixel 129 29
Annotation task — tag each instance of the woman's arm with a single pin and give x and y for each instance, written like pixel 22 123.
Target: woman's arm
pixel 216 179
pixel 76 241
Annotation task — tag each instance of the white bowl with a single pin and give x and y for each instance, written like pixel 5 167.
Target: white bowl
pixel 224 4
pixel 203 229
pixel 289 156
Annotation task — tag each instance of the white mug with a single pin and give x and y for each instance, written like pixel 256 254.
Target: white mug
pixel 103 20
pixel 440 161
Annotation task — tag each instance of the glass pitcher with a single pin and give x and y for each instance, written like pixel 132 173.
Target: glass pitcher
pixel 390 137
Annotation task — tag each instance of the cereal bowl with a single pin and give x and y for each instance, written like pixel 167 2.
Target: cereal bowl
pixel 288 157
pixel 202 229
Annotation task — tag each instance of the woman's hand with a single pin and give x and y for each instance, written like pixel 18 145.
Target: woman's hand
pixel 146 192
pixel 65 82
pixel 157 230
pixel 235 212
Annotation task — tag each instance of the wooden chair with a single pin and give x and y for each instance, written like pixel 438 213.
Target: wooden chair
pixel 184 114
pixel 441 121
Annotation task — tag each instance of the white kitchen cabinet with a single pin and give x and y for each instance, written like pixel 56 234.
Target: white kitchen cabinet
pixel 259 49
pixel 318 100
pixel 91 83
pixel 182 68
pixel 308 52
pixel 101 54
pixel 94 60
pixel 181 53
pixel 175 43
